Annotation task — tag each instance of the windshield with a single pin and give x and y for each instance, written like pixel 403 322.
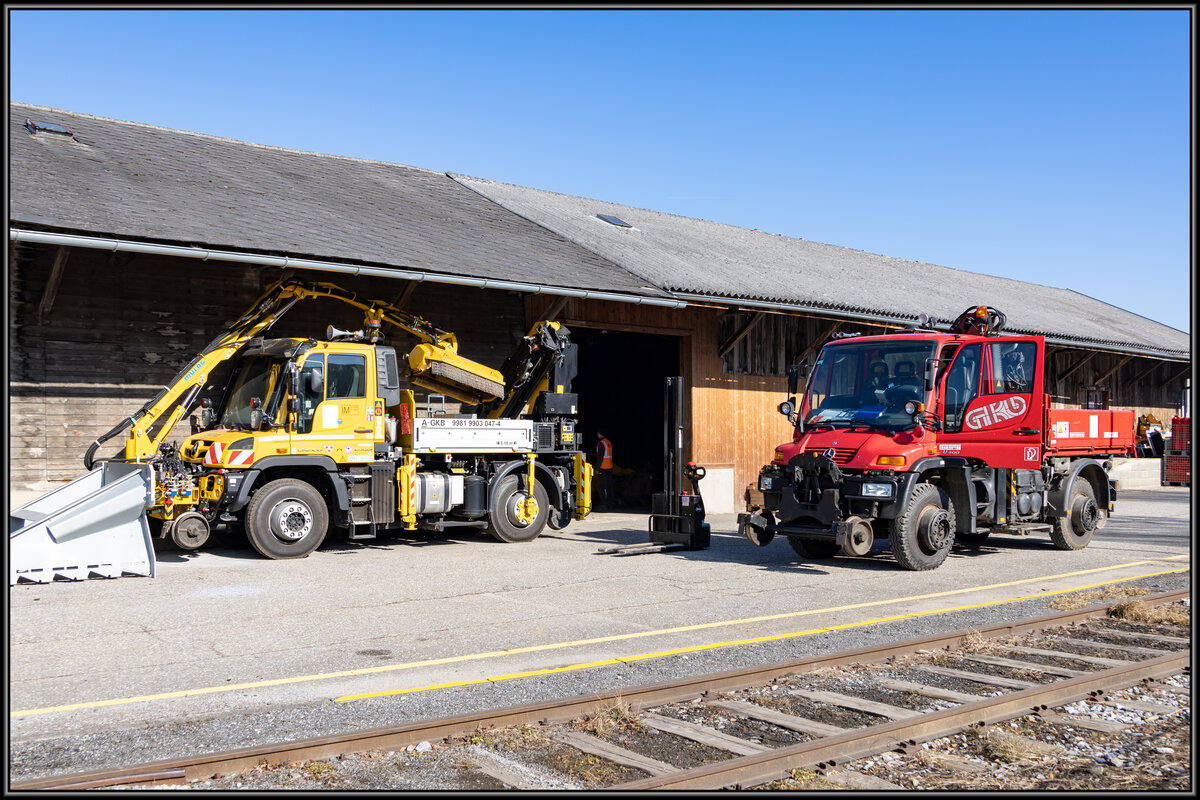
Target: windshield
pixel 866 384
pixel 257 377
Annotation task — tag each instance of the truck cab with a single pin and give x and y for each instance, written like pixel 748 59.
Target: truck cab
pixel 924 437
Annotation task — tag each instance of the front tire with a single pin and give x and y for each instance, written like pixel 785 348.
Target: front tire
pixel 922 536
pixel 287 518
pixel 512 517
pixel 1084 518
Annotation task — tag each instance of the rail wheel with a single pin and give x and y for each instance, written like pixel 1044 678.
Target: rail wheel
pixel 1084 518
pixel 287 518
pixel 921 537
pixel 813 550
pixel 190 531
pixel 518 516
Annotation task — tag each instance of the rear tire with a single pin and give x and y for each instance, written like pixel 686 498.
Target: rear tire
pixel 1084 518
pixel 287 518
pixel 922 536
pixel 509 519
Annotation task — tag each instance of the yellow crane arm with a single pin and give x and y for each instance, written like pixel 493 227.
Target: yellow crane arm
pixel 434 363
pixel 148 426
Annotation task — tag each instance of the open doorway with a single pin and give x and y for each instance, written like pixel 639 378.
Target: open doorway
pixel 620 387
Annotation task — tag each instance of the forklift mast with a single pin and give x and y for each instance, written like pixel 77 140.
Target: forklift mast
pixel 677 516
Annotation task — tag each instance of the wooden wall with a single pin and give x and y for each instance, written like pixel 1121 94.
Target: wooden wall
pixel 93 349
pixel 736 361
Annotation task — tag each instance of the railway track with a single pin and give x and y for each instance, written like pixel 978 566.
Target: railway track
pixel 750 727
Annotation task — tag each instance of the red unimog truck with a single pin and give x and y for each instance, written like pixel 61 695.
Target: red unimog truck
pixel 925 437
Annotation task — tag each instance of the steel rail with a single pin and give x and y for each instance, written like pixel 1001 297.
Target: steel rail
pixel 204 766
pixel 746 771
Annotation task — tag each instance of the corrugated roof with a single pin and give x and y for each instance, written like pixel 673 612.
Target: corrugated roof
pixel 136 181
pixel 130 180
pixel 694 256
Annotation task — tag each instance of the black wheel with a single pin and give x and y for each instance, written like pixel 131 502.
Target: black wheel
pixel 560 518
pixel 813 550
pixel 190 531
pixel 514 518
pixel 286 518
pixel 1085 517
pixel 921 537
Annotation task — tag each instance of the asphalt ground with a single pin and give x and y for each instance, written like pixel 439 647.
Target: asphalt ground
pixel 421 624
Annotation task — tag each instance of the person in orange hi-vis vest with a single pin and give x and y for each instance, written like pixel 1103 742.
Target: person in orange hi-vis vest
pixel 604 466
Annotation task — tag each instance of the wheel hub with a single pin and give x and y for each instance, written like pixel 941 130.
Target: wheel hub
pixel 1085 515
pixel 859 539
pixel 935 531
pixel 190 531
pixel 291 520
pixel 522 509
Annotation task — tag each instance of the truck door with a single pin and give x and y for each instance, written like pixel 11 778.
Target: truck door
pixel 991 403
pixel 337 414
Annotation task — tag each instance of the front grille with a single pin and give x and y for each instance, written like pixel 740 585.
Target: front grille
pixel 841 455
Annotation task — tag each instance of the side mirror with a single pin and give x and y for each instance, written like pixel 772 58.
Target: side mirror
pixel 316 381
pixel 794 374
pixel 931 365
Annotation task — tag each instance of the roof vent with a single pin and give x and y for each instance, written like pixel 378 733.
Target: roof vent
pixel 49 129
pixel 611 220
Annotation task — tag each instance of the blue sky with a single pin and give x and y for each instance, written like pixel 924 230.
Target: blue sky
pixel 1049 146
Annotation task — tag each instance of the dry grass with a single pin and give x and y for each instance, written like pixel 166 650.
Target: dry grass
pixel 1095 597
pixel 974 642
pixel 584 766
pixel 998 745
pixel 803 780
pixel 611 718
pixel 523 735
pixel 1138 611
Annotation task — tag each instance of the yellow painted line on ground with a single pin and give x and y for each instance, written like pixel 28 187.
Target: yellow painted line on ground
pixel 231 687
pixel 756 640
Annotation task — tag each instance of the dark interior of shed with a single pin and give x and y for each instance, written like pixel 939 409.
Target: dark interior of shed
pixel 621 387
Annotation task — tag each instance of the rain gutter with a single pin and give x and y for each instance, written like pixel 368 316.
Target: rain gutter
pixel 286 262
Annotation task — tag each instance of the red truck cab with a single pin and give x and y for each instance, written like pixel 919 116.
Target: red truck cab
pixel 924 437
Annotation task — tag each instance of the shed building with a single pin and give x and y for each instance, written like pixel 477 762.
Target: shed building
pixel 132 245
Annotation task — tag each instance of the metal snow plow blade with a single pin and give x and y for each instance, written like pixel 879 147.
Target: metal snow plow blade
pixel 95 525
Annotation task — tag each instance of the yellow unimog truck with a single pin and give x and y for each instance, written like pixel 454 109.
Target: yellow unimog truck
pixel 307 434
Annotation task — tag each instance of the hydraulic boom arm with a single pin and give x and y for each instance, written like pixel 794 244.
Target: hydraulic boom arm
pixel 433 364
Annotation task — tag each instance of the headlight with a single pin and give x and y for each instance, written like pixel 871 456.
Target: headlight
pixel 765 483
pixel 877 490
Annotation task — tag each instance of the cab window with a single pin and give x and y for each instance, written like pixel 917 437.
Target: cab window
pixel 347 376
pixel 313 372
pixel 1011 368
pixel 962 385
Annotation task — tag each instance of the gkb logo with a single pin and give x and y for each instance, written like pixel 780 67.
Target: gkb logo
pixel 995 413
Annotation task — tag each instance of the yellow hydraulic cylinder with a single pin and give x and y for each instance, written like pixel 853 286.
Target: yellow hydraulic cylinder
pixel 407 475
pixel 583 486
